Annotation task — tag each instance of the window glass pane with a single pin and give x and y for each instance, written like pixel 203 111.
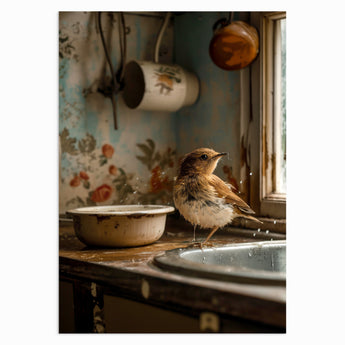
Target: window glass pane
pixel 280 105
pixel 283 106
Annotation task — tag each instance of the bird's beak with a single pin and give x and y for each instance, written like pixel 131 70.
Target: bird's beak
pixel 219 155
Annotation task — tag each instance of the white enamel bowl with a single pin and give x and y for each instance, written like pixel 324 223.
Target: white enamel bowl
pixel 120 226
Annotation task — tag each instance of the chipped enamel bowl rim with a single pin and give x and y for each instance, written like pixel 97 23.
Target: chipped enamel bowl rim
pixel 120 225
pixel 122 210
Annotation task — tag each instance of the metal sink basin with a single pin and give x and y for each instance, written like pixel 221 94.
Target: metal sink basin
pixel 250 263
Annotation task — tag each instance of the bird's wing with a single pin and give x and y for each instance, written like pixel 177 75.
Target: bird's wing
pixel 224 191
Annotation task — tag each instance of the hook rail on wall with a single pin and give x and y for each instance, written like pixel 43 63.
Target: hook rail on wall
pixel 160 35
pixel 147 85
pixel 116 83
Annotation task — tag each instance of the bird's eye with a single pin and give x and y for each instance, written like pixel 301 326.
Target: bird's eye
pixel 203 157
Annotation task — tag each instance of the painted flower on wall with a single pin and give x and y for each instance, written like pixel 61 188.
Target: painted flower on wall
pixel 66 47
pixel 158 181
pixel 112 170
pixel 107 150
pixel 85 179
pixel 123 187
pixel 117 185
pixel 75 182
pixel 102 193
pixel 107 153
pixel 157 162
pixel 83 175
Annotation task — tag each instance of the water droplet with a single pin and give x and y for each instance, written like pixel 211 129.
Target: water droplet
pixel 203 259
pixel 267 231
pixel 254 234
pixel 241 181
pixel 250 173
pixel 250 254
pixel 135 192
pixel 259 230
pixel 275 222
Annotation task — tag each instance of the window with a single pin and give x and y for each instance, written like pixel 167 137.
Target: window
pixel 266 123
pixel 274 105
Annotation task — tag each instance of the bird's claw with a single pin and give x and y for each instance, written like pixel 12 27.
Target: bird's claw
pixel 201 245
pixel 195 245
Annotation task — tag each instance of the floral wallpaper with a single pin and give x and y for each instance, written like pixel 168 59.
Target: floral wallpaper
pixel 120 186
pixel 100 165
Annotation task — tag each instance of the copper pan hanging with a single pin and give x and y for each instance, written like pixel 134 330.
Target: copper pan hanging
pixel 235 44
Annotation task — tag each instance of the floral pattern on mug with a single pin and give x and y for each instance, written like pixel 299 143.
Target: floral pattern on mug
pixel 166 76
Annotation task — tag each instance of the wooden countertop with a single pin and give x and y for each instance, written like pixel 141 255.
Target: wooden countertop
pixel 129 272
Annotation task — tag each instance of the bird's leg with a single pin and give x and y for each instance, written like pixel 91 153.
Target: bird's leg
pixel 200 244
pixel 194 233
pixel 214 229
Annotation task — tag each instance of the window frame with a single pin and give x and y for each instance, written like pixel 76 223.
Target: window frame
pixel 257 123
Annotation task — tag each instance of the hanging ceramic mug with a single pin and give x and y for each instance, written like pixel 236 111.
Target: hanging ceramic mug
pixel 158 87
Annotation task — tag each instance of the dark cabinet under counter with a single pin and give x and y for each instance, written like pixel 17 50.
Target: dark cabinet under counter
pixel 112 290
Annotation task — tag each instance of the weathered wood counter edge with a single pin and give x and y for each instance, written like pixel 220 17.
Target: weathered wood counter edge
pixel 128 273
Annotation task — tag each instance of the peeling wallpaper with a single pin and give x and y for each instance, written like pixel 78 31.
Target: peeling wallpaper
pixel 137 162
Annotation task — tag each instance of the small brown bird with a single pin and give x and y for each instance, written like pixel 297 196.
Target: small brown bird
pixel 202 197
